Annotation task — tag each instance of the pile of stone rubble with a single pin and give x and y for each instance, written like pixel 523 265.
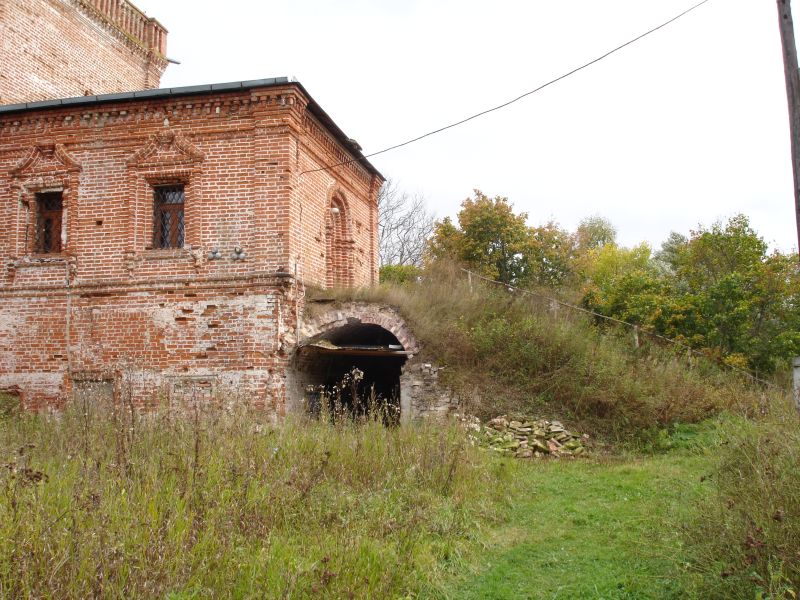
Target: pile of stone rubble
pixel 525 437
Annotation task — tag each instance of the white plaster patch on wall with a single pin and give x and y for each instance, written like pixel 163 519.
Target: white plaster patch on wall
pixel 10 325
pixel 47 383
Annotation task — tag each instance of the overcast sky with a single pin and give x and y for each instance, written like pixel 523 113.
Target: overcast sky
pixel 687 126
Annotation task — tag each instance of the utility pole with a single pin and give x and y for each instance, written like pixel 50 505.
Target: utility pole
pixel 792 74
pixel 796 381
pixel 793 94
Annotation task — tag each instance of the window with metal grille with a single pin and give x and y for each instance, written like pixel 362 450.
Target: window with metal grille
pixel 49 215
pixel 168 226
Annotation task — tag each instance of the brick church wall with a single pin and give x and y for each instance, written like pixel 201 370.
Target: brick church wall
pixel 63 48
pixel 321 190
pixel 178 325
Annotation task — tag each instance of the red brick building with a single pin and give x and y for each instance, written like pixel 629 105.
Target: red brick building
pixel 167 236
pixel 156 245
pixel 62 48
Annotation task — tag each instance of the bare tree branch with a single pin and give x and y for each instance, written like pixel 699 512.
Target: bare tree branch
pixel 404 225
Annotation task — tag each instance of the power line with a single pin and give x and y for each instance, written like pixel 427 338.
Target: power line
pixel 520 97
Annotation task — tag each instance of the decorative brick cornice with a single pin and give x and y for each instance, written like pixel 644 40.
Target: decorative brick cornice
pixel 217 107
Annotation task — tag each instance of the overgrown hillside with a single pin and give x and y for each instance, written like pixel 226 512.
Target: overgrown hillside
pixel 732 534
pixel 108 503
pixel 719 289
pixel 505 351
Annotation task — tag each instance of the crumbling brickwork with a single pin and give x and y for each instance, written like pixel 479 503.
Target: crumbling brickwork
pixel 92 289
pixel 63 48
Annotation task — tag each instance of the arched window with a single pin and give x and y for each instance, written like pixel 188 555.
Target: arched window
pixel 338 245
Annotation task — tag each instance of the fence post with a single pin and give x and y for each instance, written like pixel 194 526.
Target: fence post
pixel 554 307
pixel 796 378
pixel 469 279
pixel 636 336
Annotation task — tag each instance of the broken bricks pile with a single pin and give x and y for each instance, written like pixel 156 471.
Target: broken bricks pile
pixel 526 438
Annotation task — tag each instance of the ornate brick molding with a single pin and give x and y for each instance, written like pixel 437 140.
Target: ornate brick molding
pixel 336 152
pixel 47 166
pixel 165 149
pixel 166 158
pixel 46 157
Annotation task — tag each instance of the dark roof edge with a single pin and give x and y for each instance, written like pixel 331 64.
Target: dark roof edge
pixel 194 90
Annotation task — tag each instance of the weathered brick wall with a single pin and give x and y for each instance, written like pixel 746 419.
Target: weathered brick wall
pixel 335 247
pixel 172 323
pixel 63 48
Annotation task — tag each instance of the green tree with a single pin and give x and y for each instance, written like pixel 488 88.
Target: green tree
pixel 489 238
pixel 624 283
pixel 399 274
pixel 495 241
pixel 549 255
pixel 670 254
pixel 717 289
pixel 712 254
pixel 595 232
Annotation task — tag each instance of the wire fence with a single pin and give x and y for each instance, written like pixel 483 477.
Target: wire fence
pixel 636 329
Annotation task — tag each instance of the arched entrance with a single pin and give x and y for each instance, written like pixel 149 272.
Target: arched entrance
pixel 353 356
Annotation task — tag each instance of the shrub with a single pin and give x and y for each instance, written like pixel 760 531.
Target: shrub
pixel 399 273
pixel 9 405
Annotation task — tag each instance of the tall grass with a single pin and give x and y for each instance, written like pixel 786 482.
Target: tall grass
pixel 511 352
pixel 119 505
pixel 745 539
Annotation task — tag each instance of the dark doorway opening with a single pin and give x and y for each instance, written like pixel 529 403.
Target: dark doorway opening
pixel 353 370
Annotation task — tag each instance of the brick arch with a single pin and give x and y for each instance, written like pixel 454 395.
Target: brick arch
pixel 338 240
pixel 359 312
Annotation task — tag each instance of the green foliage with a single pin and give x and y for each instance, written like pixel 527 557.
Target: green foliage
pixel 745 539
pixel 609 264
pixel 548 256
pixel 710 255
pixel 107 505
pixel 595 232
pixel 399 273
pixel 718 290
pixel 494 241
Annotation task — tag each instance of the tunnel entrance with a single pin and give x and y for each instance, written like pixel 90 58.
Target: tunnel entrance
pixel 352 370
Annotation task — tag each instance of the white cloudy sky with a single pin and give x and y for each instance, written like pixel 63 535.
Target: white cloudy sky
pixel 688 126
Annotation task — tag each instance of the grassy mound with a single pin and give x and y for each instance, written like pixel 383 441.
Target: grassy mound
pixel 507 352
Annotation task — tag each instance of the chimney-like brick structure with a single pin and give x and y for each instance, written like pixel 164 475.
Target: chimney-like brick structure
pixel 66 48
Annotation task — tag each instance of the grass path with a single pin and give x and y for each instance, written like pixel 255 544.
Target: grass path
pixel 591 529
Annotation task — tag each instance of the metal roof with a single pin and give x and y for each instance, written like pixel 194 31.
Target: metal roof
pixel 196 90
